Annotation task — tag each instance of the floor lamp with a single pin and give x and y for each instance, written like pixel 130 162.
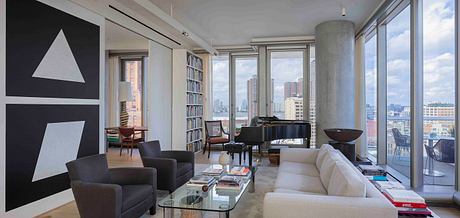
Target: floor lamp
pixel 125 94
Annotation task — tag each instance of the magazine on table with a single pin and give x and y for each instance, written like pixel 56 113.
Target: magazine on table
pixel 213 170
pixel 239 171
pixel 229 182
pixel 201 180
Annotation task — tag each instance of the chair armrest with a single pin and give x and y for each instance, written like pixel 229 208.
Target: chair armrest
pixel 301 155
pixel 134 176
pixel 299 205
pixel 166 171
pixel 97 200
pixel 179 156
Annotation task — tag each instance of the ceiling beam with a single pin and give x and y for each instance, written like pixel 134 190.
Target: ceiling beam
pixel 155 10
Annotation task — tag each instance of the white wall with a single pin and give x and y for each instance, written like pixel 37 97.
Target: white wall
pixel 158 90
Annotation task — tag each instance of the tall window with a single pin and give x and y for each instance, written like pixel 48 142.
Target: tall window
pixel 398 93
pixel 286 69
pixel 245 90
pixel 220 90
pixel 371 94
pixel 132 71
pixel 439 91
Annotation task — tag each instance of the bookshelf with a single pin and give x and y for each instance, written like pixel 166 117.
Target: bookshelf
pixel 188 101
pixel 195 102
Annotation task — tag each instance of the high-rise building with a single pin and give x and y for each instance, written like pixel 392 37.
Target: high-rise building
pixel 293 89
pixel 290 90
pixel 293 108
pixel 252 97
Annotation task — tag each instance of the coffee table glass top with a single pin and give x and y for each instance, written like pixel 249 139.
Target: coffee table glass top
pixel 194 198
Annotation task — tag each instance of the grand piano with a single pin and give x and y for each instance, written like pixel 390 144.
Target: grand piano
pixel 267 129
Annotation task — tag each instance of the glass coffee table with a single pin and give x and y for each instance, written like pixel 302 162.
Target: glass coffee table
pixel 192 201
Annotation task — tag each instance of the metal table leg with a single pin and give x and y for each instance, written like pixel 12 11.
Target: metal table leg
pixel 224 214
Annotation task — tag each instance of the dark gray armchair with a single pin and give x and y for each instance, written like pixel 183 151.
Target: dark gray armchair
pixel 101 192
pixel 174 168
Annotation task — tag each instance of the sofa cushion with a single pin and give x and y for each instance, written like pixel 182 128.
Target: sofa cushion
pixel 290 191
pixel 325 172
pixel 299 182
pixel 134 194
pixel 345 182
pixel 321 154
pixel 299 168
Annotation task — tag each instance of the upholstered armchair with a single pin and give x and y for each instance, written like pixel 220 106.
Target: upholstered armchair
pixel 174 168
pixel 101 192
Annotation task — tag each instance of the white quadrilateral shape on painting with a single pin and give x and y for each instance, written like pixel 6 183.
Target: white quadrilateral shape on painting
pixel 60 145
pixel 59 62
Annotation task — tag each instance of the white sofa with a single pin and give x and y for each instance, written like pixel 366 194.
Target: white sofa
pixel 323 183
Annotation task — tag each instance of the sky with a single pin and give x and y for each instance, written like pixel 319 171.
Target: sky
pixel 438 43
pixel 438 26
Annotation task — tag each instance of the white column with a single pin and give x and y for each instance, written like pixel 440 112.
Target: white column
pixel 335 89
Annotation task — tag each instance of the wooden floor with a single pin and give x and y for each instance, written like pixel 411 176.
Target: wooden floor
pixel 115 160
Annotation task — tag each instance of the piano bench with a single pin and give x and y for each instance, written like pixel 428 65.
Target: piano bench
pixel 235 147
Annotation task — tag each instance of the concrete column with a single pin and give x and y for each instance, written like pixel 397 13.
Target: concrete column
pixel 335 79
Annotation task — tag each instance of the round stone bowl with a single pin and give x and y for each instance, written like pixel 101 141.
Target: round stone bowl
pixel 343 135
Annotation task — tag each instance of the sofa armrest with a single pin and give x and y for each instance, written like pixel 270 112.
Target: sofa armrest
pixel 134 176
pixel 97 200
pixel 301 155
pixel 299 205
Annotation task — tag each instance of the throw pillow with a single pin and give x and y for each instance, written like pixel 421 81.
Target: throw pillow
pixel 345 182
pixel 321 154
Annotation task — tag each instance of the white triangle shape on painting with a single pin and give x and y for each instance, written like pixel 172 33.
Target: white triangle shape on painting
pixel 60 145
pixel 59 62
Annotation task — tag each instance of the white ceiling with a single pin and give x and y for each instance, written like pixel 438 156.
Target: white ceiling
pixel 120 38
pixel 236 22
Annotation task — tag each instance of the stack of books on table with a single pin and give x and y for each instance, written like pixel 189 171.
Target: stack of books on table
pixel 372 170
pixel 239 171
pixel 201 180
pixel 408 202
pixel 213 170
pixel 382 185
pixel 229 183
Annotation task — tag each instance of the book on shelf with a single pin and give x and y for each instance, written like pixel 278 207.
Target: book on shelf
pixel 239 171
pixel 404 198
pixel 214 170
pixel 382 185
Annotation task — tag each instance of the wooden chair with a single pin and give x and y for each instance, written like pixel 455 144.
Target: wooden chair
pixel 215 134
pixel 129 138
